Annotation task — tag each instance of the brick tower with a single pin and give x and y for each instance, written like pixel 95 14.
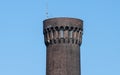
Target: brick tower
pixel 63 37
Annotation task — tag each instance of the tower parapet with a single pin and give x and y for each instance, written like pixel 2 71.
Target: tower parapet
pixel 63 30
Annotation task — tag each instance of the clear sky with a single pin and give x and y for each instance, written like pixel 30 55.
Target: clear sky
pixel 22 49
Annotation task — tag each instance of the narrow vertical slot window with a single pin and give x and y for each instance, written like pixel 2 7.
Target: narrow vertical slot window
pixel 70 34
pixel 61 33
pixel 51 35
pixel 48 37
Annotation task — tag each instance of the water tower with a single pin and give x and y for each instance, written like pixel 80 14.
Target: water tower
pixel 63 37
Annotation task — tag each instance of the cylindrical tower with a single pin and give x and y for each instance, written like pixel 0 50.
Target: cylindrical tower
pixel 63 37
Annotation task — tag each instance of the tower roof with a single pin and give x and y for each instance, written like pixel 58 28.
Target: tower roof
pixel 63 21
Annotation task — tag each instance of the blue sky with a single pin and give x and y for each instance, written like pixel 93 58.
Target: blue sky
pixel 22 49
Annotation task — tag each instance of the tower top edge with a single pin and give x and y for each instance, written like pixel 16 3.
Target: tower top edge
pixel 60 18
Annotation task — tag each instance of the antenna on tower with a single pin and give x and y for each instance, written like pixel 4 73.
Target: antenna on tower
pixel 46 8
